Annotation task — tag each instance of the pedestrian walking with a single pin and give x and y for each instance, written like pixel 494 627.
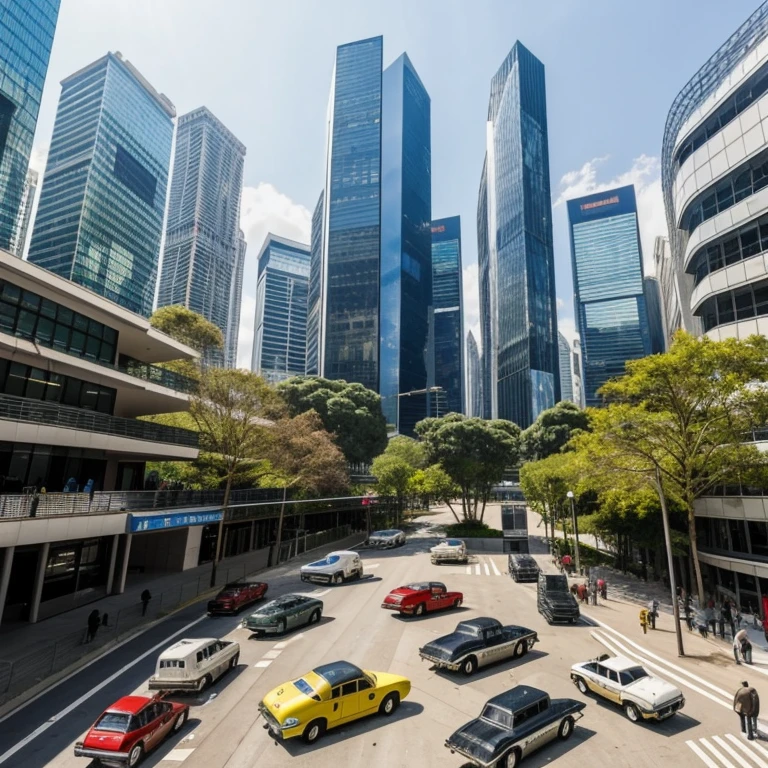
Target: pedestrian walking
pixel 701 623
pixel 746 704
pixel 653 612
pixel 582 592
pixel 602 588
pixel 709 616
pixel 742 645
pixel 594 593
pixel 146 596
pixel 94 622
pixel 688 611
pixel 727 617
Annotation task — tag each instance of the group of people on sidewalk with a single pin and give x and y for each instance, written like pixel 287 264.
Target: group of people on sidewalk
pixel 96 619
pixel 585 591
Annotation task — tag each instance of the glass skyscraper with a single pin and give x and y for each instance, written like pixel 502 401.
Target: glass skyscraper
pixel 566 373
pixel 21 230
pixel 474 378
pixel 652 294
pixel 280 333
pixel 607 285
pixel 232 336
pixel 448 306
pixel 314 297
pixel 100 217
pixel 515 254
pixel 26 32
pixel 202 233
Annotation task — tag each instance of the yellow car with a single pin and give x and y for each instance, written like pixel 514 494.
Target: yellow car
pixel 330 695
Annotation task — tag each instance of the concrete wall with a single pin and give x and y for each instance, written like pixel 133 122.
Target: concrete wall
pixel 492 546
pixel 192 552
pixel 159 552
pixel 18 532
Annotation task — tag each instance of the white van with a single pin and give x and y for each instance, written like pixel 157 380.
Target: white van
pixel 192 665
pixel 335 568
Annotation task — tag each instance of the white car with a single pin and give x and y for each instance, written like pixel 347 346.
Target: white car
pixel 335 568
pixel 626 683
pixel 192 665
pixel 449 551
pixel 391 538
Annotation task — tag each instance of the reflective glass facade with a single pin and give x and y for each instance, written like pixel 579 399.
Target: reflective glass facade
pixel 280 335
pixel 608 285
pixel 26 32
pixel 100 216
pixel 517 255
pixel 232 336
pixel 655 314
pixel 474 378
pixel 566 373
pixel 314 297
pixel 448 311
pixel 350 343
pixel 487 311
pixel 201 236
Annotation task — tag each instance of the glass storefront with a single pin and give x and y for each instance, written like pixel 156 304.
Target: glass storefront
pixel 74 566
pixel 50 467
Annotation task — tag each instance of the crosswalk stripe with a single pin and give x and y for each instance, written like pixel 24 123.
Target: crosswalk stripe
pixel 700 752
pixel 477 569
pixel 743 747
pixel 469 569
pixel 731 751
pixel 760 749
pixel 487 569
pixel 727 763
pixel 496 571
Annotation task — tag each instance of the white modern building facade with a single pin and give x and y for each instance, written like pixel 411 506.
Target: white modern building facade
pixel 566 369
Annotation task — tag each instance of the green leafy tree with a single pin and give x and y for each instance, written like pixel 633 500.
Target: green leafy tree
pixel 408 449
pixel 552 430
pixel 350 412
pixel 684 416
pixel 474 452
pixel 433 482
pixel 188 327
pixel 545 484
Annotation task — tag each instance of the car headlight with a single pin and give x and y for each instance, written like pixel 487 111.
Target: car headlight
pixel 244 623
pixel 291 722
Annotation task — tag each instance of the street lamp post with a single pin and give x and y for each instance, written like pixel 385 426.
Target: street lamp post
pixel 575 532
pixel 425 391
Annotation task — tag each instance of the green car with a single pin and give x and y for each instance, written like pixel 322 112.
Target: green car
pixel 284 613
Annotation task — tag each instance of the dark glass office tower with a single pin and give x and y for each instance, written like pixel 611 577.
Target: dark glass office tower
pixel 607 285
pixel 200 261
pixel 487 302
pixel 448 306
pixel 315 295
pixel 515 253
pixel 652 292
pixel 474 378
pixel 26 32
pixel 100 216
pixel 232 336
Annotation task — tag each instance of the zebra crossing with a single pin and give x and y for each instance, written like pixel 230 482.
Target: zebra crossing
pixel 729 751
pixel 485 566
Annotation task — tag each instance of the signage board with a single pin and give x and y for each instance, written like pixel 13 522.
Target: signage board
pixel 141 523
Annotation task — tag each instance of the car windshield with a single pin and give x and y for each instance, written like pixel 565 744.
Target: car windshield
pixel 113 721
pixel 304 687
pixel 453 542
pixel 499 716
pixel 385 533
pixel 229 593
pixel 330 560
pixel 276 606
pixel 417 587
pixel 632 674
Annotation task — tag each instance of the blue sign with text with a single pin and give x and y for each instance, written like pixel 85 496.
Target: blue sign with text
pixel 174 520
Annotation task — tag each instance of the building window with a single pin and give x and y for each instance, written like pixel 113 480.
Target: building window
pixel 7 110
pixel 135 176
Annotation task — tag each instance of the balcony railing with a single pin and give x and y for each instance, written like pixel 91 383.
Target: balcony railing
pixel 131 501
pixel 39 412
pixel 158 375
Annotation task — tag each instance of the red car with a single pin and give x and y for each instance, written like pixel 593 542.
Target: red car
pixel 130 728
pixel 237 595
pixel 418 599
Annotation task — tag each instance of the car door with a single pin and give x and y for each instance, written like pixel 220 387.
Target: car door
pixel 438 599
pixel 304 608
pixel 609 683
pixel 290 613
pixel 367 696
pixel 151 716
pixel 216 653
pixel 350 704
pixel 333 712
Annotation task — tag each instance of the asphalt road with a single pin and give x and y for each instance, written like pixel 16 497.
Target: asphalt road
pixel 224 730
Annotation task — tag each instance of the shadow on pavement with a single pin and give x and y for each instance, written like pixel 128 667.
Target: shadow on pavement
pixel 556 748
pixel 198 699
pixel 458 678
pixel 429 615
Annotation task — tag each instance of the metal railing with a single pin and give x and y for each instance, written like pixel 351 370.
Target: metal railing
pixel 157 375
pixel 40 412
pixel 130 501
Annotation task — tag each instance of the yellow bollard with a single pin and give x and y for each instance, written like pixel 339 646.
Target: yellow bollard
pixel 644 620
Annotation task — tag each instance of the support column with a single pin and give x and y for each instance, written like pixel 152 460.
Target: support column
pixel 37 590
pixel 124 564
pixel 112 561
pixel 5 577
pixel 253 536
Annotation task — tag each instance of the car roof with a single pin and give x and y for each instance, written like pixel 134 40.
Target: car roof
pixel 343 552
pixel 388 531
pixel 422 585
pixel 282 599
pixel 482 622
pixel 517 698
pixel 183 648
pixel 338 672
pixel 129 704
pixel 618 663
pixel 243 583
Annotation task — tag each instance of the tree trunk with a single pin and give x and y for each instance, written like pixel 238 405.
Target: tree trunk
pixel 279 537
pixel 695 554
pixel 220 534
pixel 453 511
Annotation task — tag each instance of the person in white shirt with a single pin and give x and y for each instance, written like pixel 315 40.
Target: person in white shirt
pixel 741 643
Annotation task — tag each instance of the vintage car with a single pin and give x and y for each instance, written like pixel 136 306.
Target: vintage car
pixel 131 727
pixel 335 568
pixel 476 643
pixel 523 567
pixel 626 683
pixel 234 597
pixel 284 613
pixel 387 539
pixel 192 665
pixel 449 551
pixel 328 696
pixel 514 724
pixel 421 598
pixel 554 599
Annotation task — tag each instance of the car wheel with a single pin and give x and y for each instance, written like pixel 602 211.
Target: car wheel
pixel 315 617
pixel 520 649
pixel 338 578
pixel 233 661
pixel 389 704
pixel 512 759
pixel 469 665
pixel 313 731
pixel 135 755
pixel 630 710
pixel 180 720
pixel 420 610
pixel 582 686
pixel 566 729
pixel 456 602
pixel 282 626
pixel 204 683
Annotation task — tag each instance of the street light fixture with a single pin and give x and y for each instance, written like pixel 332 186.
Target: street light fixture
pixel 425 391
pixel 575 532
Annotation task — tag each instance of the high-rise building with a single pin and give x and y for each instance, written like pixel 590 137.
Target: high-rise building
pixel 607 269
pixel 376 284
pixel 566 371
pixel 448 306
pixel 232 336
pixel 202 232
pixel 655 315
pixel 314 297
pixel 474 379
pixel 26 31
pixel 100 217
pixel 515 255
pixel 280 332
pixel 21 230
pixel 578 390
pixel 666 274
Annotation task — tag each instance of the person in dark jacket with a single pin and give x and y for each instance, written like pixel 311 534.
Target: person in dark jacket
pixel 146 596
pixel 746 704
pixel 94 622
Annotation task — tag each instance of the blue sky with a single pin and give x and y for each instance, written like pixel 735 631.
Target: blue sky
pixel 264 69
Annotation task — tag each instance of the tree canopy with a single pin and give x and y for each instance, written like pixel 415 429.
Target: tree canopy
pixel 188 327
pixel 552 430
pixel 350 412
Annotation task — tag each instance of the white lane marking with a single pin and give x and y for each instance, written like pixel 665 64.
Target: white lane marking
pixel 700 752
pixel 731 751
pixel 271 655
pixel 651 665
pixel 286 643
pixel 103 684
pixel 179 755
pixel 487 569
pixel 718 755
pixel 262 664
pixel 762 750
pixel 371 565
pixel 316 593
pixel 469 571
pixel 743 747
pixel 496 571
pixel 477 569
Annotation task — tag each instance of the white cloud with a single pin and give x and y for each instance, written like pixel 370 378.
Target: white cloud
pixel 567 326
pixel 263 210
pixel 471 302
pixel 645 175
pixel 560 303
